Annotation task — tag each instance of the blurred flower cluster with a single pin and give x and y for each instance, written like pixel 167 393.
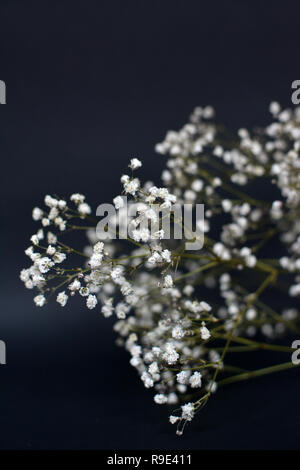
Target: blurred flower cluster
pixel 180 314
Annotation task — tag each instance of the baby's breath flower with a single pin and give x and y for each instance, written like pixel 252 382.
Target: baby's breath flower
pixel 195 380
pixel 91 301
pixel 59 257
pixel 44 264
pixel 37 213
pixel 155 289
pixel 135 163
pixel 173 419
pixel 107 309
pixel 177 332
pixel 39 300
pixel 205 333
pixel 118 202
pixel 34 239
pixel 188 411
pixel 77 198
pixel 75 285
pixel 168 281
pixel 84 208
pixel 62 298
pixel 160 398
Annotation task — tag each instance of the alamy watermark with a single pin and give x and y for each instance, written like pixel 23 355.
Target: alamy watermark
pixel 143 223
pixel 2 353
pixel 2 92
pixel 296 94
pixel 296 353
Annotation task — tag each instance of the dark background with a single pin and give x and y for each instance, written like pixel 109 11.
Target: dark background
pixel 89 85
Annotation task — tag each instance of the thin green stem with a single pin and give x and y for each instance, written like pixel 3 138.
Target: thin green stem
pixel 196 271
pixel 254 344
pixel 257 373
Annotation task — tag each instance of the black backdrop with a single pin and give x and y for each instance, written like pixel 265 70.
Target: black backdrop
pixel 89 85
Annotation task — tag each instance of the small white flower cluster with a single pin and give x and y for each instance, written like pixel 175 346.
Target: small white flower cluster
pixel 157 289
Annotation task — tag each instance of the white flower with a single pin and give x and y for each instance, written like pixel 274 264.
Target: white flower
pixel 51 250
pixel 221 251
pixel 188 411
pixel 190 195
pixel 172 398
pixel 173 419
pixel 116 275
pixel 195 380
pixel 251 314
pixel 62 204
pixel 98 247
pixel 25 275
pixel 118 202
pixel 166 255
pixel 40 234
pixel 37 213
pixel 159 235
pixel 216 182
pixel 147 379
pixel 39 300
pixel 75 285
pixel 135 361
pixel 91 301
pixel 84 291
pixel 121 310
pixel 51 238
pixel 125 179
pixel 60 223
pixel 170 355
pixel 276 210
pixel 155 258
pixel 250 261
pixel 77 198
pixel 96 260
pixel 59 257
pixel 212 387
pixel 53 214
pixel 29 251
pixel 204 332
pixel 34 239
pixel 62 298
pixel 45 222
pixel 274 108
pixel 107 309
pixel 132 186
pixel 218 151
pixel 160 398
pixel 294 290
pixel 50 201
pixel 44 264
pixel 84 208
pixel 197 185
pixel 177 332
pixel 227 205
pixel 153 368
pixel 168 281
pixel 135 163
pixel 136 350
pixel 126 288
pixel 183 377
pixel 205 306
pixel 141 235
pixel 188 290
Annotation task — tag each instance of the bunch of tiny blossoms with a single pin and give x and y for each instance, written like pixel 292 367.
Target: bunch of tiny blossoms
pixel 180 313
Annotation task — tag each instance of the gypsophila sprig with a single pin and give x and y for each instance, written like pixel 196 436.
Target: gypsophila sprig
pixel 181 314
